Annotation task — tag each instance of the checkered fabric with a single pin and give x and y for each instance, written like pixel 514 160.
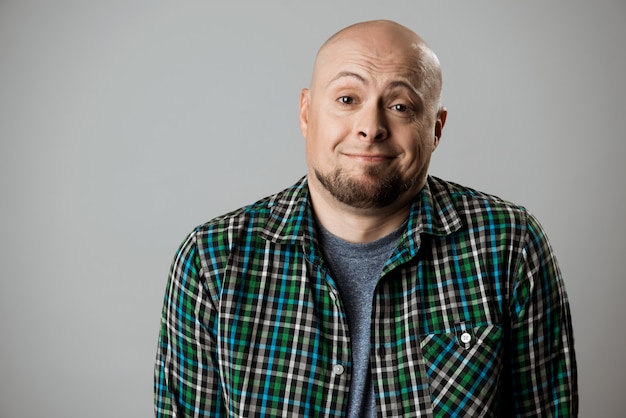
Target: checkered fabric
pixel 470 316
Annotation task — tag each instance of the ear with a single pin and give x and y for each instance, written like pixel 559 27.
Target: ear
pixel 305 98
pixel 442 113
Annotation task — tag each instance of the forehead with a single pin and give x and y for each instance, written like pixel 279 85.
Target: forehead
pixel 381 59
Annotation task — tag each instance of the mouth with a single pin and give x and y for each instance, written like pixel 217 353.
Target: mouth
pixel 369 158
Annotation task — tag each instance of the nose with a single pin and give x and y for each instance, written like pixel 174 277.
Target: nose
pixel 372 126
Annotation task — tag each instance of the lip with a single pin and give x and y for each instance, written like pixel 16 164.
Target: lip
pixel 370 158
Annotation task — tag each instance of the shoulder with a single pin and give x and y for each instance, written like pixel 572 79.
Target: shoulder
pixel 259 215
pixel 489 215
pixel 466 210
pixel 461 193
pixel 473 204
pixel 216 238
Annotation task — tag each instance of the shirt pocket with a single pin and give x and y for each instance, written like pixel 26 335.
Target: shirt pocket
pixel 463 368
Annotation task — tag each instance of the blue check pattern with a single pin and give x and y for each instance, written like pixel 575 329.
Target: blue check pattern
pixel 470 316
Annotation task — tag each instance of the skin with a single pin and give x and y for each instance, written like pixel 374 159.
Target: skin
pixel 371 119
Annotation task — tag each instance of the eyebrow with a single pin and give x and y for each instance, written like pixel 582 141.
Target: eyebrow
pixel 401 83
pixel 404 84
pixel 348 74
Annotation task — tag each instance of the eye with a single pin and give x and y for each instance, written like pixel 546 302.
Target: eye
pixel 347 100
pixel 402 108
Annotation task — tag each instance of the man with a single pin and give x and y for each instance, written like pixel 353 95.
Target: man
pixel 368 288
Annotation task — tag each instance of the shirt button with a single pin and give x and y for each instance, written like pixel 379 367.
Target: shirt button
pixel 338 369
pixel 466 337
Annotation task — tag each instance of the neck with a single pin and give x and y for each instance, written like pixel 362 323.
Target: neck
pixel 354 224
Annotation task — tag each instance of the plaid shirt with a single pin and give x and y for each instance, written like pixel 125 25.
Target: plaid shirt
pixel 470 316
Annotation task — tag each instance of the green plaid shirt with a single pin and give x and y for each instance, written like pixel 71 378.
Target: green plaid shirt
pixel 470 316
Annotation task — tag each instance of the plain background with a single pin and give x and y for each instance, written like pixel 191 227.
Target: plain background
pixel 123 124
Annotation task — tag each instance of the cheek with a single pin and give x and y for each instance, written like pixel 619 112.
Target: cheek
pixel 418 153
pixel 317 144
pixel 327 132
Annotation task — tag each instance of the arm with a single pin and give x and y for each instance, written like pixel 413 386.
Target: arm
pixel 542 359
pixel 186 377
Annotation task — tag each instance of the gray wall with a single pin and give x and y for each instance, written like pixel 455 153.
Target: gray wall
pixel 123 124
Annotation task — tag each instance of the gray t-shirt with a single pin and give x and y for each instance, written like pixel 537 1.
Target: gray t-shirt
pixel 356 269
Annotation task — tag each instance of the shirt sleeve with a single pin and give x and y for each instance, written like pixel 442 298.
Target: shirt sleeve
pixel 186 378
pixel 543 376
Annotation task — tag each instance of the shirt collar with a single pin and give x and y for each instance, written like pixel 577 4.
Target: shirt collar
pixel 291 219
pixel 433 211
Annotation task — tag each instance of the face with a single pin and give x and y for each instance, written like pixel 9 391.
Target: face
pixel 370 119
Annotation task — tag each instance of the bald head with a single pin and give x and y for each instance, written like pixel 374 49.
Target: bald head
pixel 385 41
pixel 371 120
pixel 375 27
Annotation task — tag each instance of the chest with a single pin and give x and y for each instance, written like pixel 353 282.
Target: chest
pixel 436 334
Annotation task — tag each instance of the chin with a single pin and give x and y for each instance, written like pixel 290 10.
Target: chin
pixel 365 191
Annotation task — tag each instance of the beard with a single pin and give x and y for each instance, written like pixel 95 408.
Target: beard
pixel 378 190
